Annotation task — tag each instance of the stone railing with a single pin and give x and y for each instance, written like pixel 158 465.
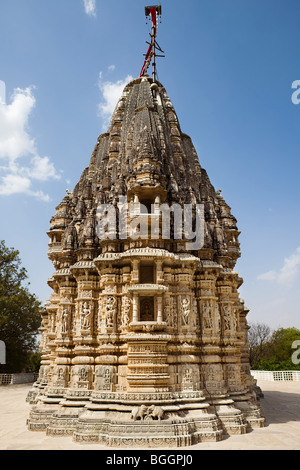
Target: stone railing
pixel 11 379
pixel 276 375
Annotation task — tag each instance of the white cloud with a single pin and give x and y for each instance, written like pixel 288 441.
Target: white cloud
pixel 17 184
pixel 14 138
pixel 288 271
pixel 90 7
pixel 111 93
pixel 14 184
pixel 2 92
pixel 16 144
pixel 268 276
pixel 43 169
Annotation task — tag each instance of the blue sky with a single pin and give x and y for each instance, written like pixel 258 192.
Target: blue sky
pixel 229 70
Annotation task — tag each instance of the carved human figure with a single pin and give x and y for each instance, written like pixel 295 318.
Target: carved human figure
pixel 44 374
pixel 86 316
pixel 169 311
pixel 65 321
pixel 234 320
pixel 147 309
pixel 104 377
pixel 83 374
pixel 217 319
pixel 185 309
pixel 89 228
pixel 110 308
pixel 207 315
pixel 52 322
pixel 125 311
pixel 232 372
pixel 210 373
pixel 80 208
pixel 227 317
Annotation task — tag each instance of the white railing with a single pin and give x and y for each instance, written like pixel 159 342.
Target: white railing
pixel 10 379
pixel 276 375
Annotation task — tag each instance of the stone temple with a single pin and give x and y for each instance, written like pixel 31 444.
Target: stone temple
pixel 144 338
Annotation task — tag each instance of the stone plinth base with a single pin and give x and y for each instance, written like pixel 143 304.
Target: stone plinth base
pixel 39 418
pixel 176 420
pixel 170 432
pixel 64 421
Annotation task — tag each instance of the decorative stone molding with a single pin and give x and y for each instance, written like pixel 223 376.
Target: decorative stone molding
pixel 148 289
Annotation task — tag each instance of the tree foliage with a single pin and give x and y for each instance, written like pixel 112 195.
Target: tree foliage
pixel 259 336
pixel 272 350
pixel 19 312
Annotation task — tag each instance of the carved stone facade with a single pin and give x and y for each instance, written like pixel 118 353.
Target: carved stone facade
pixel 144 341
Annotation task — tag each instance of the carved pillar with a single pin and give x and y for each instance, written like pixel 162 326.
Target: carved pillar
pixel 135 308
pixel 159 309
pixel 85 327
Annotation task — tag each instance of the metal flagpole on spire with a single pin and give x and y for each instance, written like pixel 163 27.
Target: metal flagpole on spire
pixel 153 12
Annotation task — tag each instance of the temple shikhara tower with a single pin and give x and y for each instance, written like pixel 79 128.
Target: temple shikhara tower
pixel 144 338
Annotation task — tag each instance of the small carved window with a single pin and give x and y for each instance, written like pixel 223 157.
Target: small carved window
pixel 147 274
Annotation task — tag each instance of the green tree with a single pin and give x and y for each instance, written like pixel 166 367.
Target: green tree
pixel 276 352
pixel 281 351
pixel 19 312
pixel 259 336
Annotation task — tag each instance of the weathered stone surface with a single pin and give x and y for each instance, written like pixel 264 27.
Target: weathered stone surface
pixel 144 340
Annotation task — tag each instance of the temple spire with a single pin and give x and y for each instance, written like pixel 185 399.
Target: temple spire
pixel 153 12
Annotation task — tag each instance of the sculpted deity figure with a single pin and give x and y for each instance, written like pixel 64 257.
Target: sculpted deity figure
pixel 125 311
pixel 234 320
pixel 52 322
pixel 86 316
pixel 207 315
pixel 110 311
pixel 185 309
pixel 217 319
pixel 210 373
pixel 65 321
pixel 227 317
pixel 83 374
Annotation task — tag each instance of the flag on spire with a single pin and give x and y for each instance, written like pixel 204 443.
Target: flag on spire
pixel 152 11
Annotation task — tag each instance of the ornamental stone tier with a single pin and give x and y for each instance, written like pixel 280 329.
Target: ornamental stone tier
pixel 144 338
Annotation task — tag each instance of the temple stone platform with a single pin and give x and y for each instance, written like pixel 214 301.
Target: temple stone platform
pixel 280 405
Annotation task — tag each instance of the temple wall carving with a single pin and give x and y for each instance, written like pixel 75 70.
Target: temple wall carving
pixel 143 339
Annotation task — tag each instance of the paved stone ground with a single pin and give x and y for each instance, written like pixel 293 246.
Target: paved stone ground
pixel 281 406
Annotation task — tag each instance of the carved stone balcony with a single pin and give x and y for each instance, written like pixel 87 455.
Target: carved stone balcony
pixel 147 326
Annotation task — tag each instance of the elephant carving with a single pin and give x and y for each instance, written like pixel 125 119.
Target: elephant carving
pixel 138 412
pixel 155 412
pixel 147 413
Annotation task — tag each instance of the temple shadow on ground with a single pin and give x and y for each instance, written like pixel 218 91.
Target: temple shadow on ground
pixel 289 409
